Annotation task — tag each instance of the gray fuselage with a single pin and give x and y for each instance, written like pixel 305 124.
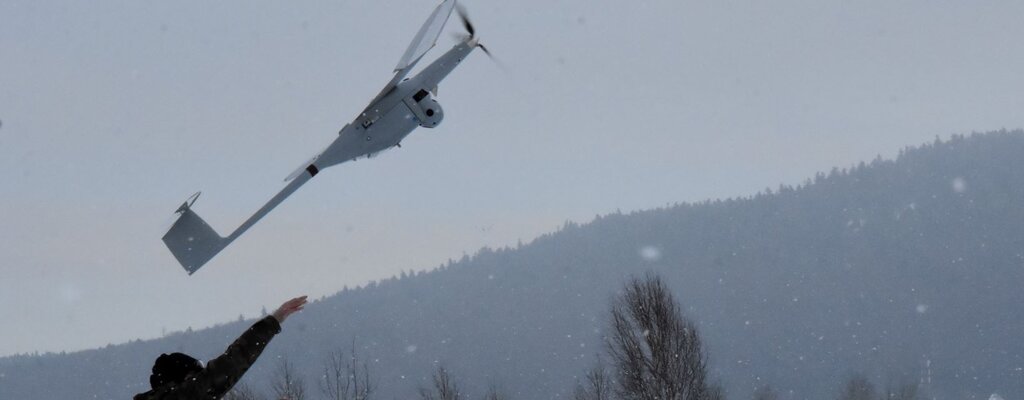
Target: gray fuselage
pixel 396 113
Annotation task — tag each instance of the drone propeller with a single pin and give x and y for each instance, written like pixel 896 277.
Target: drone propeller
pixel 464 16
pixel 465 19
pixel 488 52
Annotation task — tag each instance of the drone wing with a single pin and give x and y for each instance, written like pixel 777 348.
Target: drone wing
pixel 424 40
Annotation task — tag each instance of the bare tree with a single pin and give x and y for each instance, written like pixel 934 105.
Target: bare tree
pixel 656 352
pixel 858 388
pixel 242 391
pixel 493 393
pixel 900 391
pixel 346 377
pixel 765 393
pixel 714 392
pixel 444 387
pixel 596 385
pixel 287 385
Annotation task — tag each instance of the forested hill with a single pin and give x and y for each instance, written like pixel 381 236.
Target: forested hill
pixel 903 270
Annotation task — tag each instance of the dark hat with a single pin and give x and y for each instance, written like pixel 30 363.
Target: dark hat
pixel 174 368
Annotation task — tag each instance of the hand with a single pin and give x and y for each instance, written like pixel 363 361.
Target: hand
pixel 288 308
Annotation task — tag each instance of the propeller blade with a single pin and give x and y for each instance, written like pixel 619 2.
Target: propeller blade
pixel 464 16
pixel 488 52
pixel 494 59
pixel 465 19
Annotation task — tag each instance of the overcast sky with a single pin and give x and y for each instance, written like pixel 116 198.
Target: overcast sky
pixel 113 112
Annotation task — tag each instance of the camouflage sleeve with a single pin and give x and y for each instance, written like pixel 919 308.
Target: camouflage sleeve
pixel 221 373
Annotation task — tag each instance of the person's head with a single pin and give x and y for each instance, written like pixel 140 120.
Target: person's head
pixel 173 368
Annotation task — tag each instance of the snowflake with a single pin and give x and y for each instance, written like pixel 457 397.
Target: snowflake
pixel 959 185
pixel 650 253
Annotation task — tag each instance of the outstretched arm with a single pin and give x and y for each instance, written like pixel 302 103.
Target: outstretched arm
pixel 221 373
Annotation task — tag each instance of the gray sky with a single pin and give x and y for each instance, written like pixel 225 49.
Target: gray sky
pixel 113 112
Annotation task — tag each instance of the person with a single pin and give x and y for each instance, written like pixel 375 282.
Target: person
pixel 179 376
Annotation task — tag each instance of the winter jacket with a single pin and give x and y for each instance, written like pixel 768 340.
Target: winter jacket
pixel 221 373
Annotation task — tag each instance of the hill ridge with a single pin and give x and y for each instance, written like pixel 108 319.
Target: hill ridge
pixel 884 267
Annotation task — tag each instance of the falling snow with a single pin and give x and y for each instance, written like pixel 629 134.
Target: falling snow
pixel 959 185
pixel 650 253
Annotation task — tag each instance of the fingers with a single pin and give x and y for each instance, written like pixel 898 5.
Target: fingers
pixel 295 304
pixel 290 307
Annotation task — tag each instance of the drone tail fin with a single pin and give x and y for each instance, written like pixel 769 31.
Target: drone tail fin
pixel 192 241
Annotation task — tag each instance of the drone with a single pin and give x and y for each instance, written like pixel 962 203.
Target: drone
pixel 403 105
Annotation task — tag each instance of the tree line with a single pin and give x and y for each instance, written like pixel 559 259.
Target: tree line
pixel 653 352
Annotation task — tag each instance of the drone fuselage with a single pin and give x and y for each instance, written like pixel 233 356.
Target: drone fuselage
pixel 395 114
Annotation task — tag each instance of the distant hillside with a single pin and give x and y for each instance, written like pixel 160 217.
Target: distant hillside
pixel 899 269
